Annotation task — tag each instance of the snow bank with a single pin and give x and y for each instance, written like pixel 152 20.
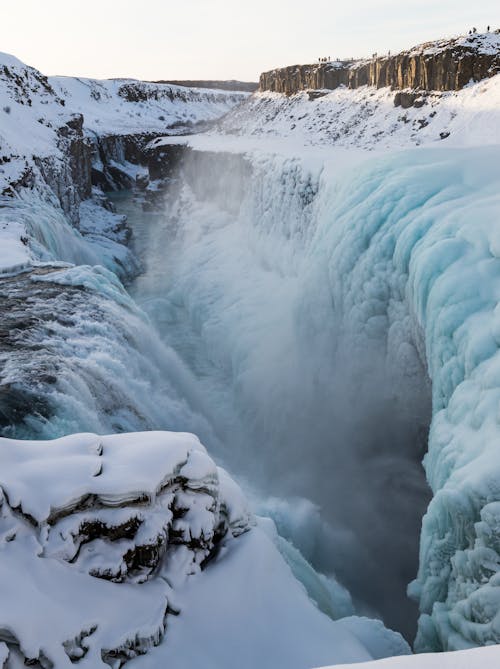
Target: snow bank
pixel 479 658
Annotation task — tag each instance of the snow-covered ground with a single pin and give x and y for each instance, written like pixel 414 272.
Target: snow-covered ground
pixel 478 658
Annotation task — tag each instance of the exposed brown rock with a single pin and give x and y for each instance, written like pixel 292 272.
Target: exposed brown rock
pixel 439 66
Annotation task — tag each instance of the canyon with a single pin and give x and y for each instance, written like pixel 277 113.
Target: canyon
pixel 305 278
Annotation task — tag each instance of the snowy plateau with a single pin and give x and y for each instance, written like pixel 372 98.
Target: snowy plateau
pixel 233 329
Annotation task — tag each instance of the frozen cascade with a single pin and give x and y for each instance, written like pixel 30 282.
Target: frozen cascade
pixel 304 311
pixel 233 282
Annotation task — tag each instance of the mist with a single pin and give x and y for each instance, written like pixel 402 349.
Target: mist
pixel 328 419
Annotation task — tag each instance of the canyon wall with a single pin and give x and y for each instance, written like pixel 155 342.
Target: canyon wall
pixel 445 65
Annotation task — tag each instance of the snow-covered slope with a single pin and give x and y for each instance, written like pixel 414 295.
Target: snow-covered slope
pixel 126 106
pixel 47 127
pixel 367 117
pixel 479 658
pixel 297 275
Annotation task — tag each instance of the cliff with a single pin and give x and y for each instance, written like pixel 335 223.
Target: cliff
pixel 443 65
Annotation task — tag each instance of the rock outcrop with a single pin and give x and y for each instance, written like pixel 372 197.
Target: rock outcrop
pixel 438 66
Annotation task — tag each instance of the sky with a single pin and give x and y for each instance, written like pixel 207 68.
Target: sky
pixel 221 39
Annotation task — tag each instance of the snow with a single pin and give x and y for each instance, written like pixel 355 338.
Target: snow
pixel 478 658
pixel 265 619
pixel 15 255
pixel 10 60
pixel 482 43
pixel 114 469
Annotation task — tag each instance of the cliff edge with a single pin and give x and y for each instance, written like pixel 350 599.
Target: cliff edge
pixel 443 65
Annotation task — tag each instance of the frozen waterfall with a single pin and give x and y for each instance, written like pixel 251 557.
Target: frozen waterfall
pixel 311 322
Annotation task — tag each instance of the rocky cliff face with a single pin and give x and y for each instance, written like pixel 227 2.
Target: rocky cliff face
pixel 440 66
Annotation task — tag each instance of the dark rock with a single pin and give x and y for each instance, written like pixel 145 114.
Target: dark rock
pixel 440 66
pixel 407 99
pixel 224 85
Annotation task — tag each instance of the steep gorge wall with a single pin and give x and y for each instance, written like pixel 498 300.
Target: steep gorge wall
pixel 442 66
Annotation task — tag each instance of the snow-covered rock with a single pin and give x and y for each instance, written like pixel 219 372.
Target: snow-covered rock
pixel 105 540
pixel 80 515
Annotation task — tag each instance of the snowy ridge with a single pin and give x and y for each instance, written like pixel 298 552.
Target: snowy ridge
pixel 126 106
pixel 482 43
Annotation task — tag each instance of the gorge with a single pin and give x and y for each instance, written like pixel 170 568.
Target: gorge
pixel 310 286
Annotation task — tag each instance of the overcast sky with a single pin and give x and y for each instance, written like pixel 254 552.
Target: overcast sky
pixel 161 39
